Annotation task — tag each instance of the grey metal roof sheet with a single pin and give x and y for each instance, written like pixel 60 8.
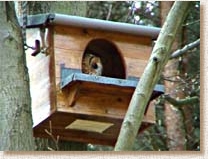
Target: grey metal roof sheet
pixel 89 23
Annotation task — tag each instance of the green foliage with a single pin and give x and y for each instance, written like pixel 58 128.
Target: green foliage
pixel 192 73
pixel 141 12
pixel 108 10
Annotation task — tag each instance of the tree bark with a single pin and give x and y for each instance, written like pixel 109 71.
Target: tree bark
pixel 143 91
pixel 173 116
pixel 15 101
pixel 73 8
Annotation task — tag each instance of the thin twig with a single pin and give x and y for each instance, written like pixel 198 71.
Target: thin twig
pixel 109 11
pixel 55 140
pixel 191 23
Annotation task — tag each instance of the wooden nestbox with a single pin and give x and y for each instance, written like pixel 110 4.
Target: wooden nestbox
pixel 72 104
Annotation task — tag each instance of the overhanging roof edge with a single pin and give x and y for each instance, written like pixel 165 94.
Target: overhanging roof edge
pixel 89 23
pixel 98 24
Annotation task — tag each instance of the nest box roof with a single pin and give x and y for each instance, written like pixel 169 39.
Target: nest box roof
pixel 89 23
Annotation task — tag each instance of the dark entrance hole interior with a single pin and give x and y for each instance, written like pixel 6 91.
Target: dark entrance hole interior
pixel 111 58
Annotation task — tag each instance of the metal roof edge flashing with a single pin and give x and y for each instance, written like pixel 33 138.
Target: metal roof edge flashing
pixel 37 20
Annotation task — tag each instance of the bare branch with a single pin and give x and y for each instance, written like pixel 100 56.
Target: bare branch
pixel 55 140
pixel 181 102
pixel 159 57
pixel 182 51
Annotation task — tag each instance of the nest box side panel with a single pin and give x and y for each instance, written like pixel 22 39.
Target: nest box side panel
pixel 40 80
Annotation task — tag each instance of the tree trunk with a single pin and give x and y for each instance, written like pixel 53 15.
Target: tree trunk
pixel 73 8
pixel 173 116
pixel 15 101
pixel 157 61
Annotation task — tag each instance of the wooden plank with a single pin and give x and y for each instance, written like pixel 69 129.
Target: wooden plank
pixel 141 52
pixel 70 42
pixel 64 30
pixel 89 125
pixel 52 73
pixel 40 89
pixel 40 81
pixel 71 94
pixel 71 58
pixel 79 43
pixel 135 67
pixel 103 104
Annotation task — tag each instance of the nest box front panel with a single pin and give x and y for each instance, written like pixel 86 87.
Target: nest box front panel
pixel 71 43
pixel 123 56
